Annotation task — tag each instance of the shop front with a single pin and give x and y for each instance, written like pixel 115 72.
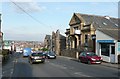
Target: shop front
pixel 107 50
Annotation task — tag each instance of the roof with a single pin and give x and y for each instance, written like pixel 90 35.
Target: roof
pixel 111 32
pixel 105 24
pixel 47 36
pixel 62 37
pixel 102 21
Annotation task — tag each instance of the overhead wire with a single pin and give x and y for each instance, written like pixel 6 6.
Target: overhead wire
pixel 30 15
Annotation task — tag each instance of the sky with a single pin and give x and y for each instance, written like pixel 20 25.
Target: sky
pixel 32 20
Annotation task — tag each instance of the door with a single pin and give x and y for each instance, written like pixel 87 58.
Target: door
pixel 112 53
pixel 83 57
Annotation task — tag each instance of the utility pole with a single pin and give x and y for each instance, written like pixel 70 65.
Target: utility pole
pixel 51 43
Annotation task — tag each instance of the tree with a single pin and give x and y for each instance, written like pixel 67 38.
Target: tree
pixel 44 49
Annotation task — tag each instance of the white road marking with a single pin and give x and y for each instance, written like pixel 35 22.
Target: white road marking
pixel 81 74
pixel 60 66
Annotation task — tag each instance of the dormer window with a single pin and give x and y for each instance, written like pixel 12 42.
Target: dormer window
pixel 104 23
pixel 116 25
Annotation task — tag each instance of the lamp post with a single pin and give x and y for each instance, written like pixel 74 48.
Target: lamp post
pixel 94 40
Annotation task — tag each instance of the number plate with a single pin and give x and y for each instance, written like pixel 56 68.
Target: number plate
pixel 97 62
pixel 38 60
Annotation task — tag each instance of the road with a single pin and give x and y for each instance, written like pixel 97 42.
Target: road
pixel 60 67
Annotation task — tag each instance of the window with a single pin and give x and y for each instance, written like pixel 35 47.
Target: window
pixel 104 23
pixel 105 49
pixel 86 38
pixel 76 28
pixel 116 25
pixel 81 54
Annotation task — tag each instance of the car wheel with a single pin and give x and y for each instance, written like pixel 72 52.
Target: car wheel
pixel 89 62
pixel 46 57
pixel 79 60
pixel 31 62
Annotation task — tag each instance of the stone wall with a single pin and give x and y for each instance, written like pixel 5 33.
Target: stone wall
pixel 69 53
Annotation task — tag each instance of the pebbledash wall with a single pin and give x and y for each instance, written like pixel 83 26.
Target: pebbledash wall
pixel 107 47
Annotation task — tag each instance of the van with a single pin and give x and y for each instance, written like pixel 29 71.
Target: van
pixel 27 52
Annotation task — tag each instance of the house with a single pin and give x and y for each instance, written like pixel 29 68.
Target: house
pixel 47 42
pixel 60 43
pixel 95 33
pixel 53 42
pixel 7 44
pixel 56 42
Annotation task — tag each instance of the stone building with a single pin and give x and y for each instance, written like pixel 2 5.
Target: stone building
pixel 94 33
pixel 56 42
pixel 59 43
pixel 47 42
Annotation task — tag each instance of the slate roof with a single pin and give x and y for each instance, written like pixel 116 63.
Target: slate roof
pixel 105 24
pixel 62 37
pixel 47 36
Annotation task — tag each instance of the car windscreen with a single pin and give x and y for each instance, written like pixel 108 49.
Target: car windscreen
pixel 37 54
pixel 91 54
pixel 51 53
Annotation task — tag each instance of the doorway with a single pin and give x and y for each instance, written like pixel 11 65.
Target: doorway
pixel 112 53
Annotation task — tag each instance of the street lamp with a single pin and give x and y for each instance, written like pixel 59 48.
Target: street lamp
pixel 94 44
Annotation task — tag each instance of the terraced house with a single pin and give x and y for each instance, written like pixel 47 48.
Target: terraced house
pixel 47 42
pixel 55 42
pixel 99 34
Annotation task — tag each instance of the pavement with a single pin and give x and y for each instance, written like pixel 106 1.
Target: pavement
pixel 8 66
pixel 112 65
pixel 0 66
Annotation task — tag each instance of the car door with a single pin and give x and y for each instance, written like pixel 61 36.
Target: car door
pixel 81 57
pixel 84 57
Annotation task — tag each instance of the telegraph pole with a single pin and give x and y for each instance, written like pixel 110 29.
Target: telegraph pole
pixel 51 43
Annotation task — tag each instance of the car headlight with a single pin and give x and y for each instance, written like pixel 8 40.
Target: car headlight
pixel 93 59
pixel 48 55
pixel 101 59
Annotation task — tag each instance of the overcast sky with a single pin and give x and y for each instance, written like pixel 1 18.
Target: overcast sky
pixel 32 20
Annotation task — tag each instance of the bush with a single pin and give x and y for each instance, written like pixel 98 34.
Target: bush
pixel 44 49
pixel 119 59
pixel 5 52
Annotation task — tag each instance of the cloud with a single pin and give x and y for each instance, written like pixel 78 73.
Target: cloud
pixel 30 7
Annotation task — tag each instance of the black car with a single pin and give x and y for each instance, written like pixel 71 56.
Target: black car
pixel 50 55
pixel 36 57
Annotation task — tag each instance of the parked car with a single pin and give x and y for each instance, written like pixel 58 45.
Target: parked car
pixel 36 57
pixel 50 55
pixel 90 58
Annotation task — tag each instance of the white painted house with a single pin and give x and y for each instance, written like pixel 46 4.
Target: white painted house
pixel 107 47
